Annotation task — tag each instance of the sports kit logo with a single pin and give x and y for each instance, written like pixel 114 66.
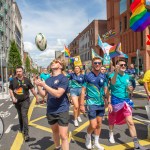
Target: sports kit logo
pixel 56 81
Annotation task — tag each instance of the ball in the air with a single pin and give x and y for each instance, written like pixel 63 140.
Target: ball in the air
pixel 40 41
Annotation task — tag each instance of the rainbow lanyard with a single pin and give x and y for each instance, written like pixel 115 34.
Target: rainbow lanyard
pixel 20 82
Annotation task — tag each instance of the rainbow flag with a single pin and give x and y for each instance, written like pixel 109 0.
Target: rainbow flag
pixel 116 51
pixel 94 54
pixel 67 52
pixel 140 17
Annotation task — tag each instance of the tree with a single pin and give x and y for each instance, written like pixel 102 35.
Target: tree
pixel 14 57
pixel 27 65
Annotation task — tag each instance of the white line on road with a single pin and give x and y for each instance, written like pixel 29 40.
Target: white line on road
pixel 9 128
pixel 10 106
pixel 1 104
pixel 16 116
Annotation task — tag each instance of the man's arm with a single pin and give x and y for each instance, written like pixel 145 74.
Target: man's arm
pixel 14 100
pixel 57 93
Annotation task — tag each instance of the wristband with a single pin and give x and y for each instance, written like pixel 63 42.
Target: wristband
pixel 108 102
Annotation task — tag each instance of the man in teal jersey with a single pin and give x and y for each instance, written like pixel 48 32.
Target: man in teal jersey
pixel 120 87
pixel 93 87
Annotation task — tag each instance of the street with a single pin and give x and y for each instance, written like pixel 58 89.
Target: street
pixel 41 134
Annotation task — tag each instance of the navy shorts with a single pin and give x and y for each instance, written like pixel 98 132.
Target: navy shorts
pixel 75 91
pixel 95 111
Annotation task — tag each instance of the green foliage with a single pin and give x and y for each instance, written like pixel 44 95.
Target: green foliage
pixel 35 71
pixel 27 64
pixel 14 57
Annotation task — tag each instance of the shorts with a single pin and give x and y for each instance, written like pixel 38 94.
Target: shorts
pixel 95 111
pixel 61 118
pixel 75 91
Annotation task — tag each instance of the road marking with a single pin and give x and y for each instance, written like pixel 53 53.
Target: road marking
pixel 1 104
pixel 4 114
pixel 136 92
pixel 19 138
pixel 41 127
pixel 37 119
pixel 10 106
pixel 9 128
pixel 18 142
pixel 16 117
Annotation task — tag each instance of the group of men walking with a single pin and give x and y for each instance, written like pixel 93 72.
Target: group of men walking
pixel 91 92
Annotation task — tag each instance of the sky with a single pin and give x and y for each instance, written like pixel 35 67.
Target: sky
pixel 59 20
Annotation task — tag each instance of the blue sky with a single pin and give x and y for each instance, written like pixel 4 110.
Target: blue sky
pixel 59 20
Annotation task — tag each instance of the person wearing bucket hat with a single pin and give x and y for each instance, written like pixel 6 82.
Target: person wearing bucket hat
pixel 56 87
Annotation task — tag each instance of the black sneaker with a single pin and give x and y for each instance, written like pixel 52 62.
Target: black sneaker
pixel 26 138
pixel 140 148
pixel 59 148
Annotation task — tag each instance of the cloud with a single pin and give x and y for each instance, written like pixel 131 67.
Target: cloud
pixel 59 20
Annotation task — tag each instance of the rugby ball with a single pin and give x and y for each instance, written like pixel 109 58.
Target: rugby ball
pixel 40 41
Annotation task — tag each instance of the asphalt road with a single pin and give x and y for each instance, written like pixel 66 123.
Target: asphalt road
pixel 41 135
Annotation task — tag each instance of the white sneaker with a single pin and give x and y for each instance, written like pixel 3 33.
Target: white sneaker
pixel 98 146
pixel 79 119
pixel 111 138
pixel 76 124
pixel 88 143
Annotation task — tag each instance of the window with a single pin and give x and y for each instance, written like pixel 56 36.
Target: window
pixel 125 22
pixel 123 6
pixel 148 2
pixel 120 26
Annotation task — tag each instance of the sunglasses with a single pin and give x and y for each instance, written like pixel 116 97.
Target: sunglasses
pixel 99 63
pixel 121 65
pixel 57 61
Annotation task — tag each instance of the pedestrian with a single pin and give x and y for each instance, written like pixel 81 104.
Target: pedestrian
pixel 57 104
pixel 93 88
pixel 10 77
pixel 19 91
pixel 44 76
pixel 146 80
pixel 76 82
pixel 122 106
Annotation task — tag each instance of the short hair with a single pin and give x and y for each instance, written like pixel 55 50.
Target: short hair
pixel 120 60
pixel 95 58
pixel 19 67
pixel 103 66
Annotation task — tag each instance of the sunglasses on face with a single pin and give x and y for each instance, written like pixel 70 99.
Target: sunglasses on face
pixel 99 63
pixel 121 65
pixel 57 61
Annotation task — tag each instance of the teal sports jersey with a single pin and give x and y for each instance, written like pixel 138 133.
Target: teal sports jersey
pixel 76 81
pixel 44 76
pixel 120 88
pixel 95 88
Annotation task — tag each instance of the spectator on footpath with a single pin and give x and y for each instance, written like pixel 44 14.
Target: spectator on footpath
pixel 56 87
pixel 10 78
pixel 44 76
pixel 146 80
pixel 19 91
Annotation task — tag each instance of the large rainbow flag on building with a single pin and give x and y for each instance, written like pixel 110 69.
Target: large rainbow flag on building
pixel 66 51
pixel 140 17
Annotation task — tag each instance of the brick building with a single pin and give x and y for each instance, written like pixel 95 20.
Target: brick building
pixel 87 39
pixel 118 16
